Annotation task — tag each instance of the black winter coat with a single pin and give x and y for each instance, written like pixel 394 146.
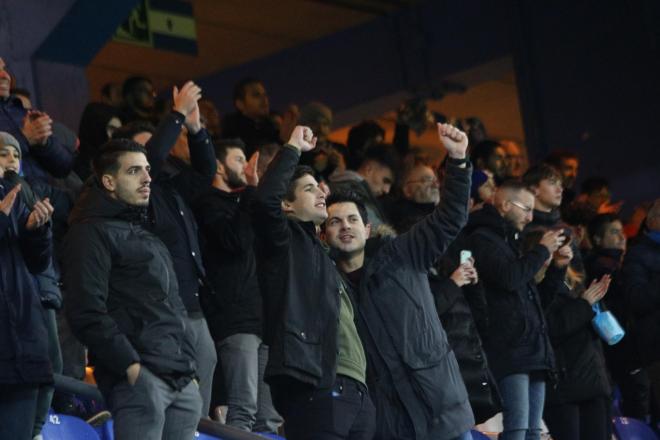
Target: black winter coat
pixel 454 306
pixel 176 186
pixel 517 338
pixel 234 304
pixel 641 283
pixel 123 301
pixel 412 371
pixel 580 364
pixel 299 285
pixel 23 338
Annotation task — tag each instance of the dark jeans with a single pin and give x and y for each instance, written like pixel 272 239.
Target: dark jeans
pixel 344 411
pixel 586 420
pixel 18 408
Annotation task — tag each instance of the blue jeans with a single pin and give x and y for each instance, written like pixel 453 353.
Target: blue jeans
pixel 522 401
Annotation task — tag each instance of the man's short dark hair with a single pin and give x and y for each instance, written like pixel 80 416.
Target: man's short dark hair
pixel 131 83
pixel 301 170
pixel 483 150
pixel 106 160
pixel 383 154
pixel 222 145
pixel 599 223
pixel 132 129
pixel 240 89
pixel 360 137
pixel 594 184
pixel 348 196
pixel 537 173
pixel 556 157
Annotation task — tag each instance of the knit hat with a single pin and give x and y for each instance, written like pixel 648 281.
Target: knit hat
pixel 8 139
pixel 478 179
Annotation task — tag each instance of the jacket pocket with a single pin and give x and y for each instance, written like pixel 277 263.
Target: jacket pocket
pixel 302 351
pixel 439 386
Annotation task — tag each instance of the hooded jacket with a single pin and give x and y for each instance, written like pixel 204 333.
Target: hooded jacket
pixel 517 338
pixel 123 300
pixel 23 341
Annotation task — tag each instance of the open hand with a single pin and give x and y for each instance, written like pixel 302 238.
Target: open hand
pixel 7 203
pixel 454 140
pixel 251 175
pixel 185 102
pixel 40 215
pixel 597 290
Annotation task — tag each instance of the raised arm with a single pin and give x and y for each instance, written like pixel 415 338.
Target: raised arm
pixel 46 149
pixel 429 239
pixel 270 223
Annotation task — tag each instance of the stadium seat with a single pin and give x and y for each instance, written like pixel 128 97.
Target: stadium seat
pixel 63 427
pixel 201 436
pixel 626 428
pixel 273 436
pixel 105 431
pixel 476 435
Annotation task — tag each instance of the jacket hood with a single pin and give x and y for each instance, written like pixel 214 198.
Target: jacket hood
pixel 94 203
pixel 489 217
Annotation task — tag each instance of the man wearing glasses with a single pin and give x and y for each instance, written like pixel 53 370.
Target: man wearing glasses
pixel 517 344
pixel 420 193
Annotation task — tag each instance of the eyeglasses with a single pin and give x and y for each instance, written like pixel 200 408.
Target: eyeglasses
pixel 525 209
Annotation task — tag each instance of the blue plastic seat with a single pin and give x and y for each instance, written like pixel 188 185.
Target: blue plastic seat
pixel 202 436
pixel 105 431
pixel 63 427
pixel 476 435
pixel 626 428
pixel 273 436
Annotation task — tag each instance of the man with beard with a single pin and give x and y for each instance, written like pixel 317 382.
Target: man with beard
pixel 233 308
pixel 490 157
pixel 412 372
pixel 420 191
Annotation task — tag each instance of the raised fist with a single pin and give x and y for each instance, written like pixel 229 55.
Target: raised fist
pixel 454 140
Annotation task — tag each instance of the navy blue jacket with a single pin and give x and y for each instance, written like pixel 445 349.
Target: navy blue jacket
pixel 38 161
pixel 23 340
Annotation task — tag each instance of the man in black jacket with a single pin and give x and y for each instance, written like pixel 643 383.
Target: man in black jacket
pixel 316 362
pixel 233 306
pixel 124 303
pixel 412 372
pixel 517 344
pixel 180 153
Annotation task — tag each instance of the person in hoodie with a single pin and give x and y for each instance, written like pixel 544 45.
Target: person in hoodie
pixel 234 307
pixel 124 302
pixel 25 250
pixel 516 343
pixel 412 372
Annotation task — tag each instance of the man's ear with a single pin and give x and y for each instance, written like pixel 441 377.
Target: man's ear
pixel 368 229
pixel 535 190
pixel 221 168
pixel 108 182
pixel 407 192
pixel 286 207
